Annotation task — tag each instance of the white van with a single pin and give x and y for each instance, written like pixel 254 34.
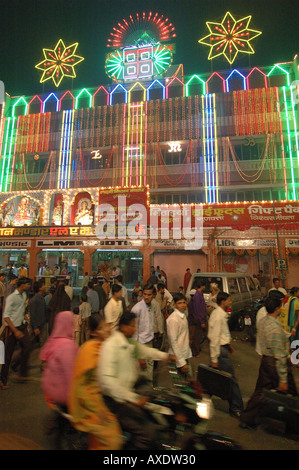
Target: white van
pixel 240 286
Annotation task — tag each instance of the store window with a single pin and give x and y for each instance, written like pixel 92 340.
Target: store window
pixel 12 260
pixel 129 263
pixel 68 263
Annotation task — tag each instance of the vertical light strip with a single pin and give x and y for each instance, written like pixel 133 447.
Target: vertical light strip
pixel 203 98
pixel 14 154
pixel 137 150
pixel 290 142
pixel 70 149
pixel 7 122
pixel 2 126
pixel 123 149
pixel 60 153
pixel 8 157
pixel 128 145
pixel 141 143
pixel 145 147
pixel 210 147
pixel 215 148
pixel 295 124
pixel 282 146
pixel 66 137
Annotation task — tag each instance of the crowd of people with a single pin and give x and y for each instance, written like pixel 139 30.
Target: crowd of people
pixel 97 358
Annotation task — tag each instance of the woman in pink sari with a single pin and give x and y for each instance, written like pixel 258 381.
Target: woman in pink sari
pixel 58 355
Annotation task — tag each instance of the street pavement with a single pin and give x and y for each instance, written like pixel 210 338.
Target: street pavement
pixel 24 413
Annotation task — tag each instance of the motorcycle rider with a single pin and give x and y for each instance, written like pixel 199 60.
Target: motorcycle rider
pixel 118 380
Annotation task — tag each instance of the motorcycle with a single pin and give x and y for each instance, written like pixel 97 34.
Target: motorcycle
pixel 247 320
pixel 182 415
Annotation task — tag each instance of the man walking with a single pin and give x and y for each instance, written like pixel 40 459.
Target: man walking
pixel 37 310
pixel 114 308
pixel 16 331
pixel 275 370
pixel 93 298
pixel 178 335
pixel 220 348
pixel 147 315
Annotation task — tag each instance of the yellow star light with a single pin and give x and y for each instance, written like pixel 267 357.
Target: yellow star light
pixel 59 62
pixel 229 37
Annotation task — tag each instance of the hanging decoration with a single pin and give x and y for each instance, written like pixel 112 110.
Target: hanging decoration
pixel 229 37
pixel 186 162
pixel 59 62
pixel 262 159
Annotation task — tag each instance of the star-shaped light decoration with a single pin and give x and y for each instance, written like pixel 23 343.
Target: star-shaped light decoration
pixel 229 37
pixel 59 62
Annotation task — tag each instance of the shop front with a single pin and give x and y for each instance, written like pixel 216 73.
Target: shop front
pixel 128 263
pixel 60 262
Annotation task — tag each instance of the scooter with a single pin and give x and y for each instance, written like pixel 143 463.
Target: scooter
pixel 183 414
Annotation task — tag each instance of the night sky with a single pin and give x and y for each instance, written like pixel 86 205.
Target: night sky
pixel 28 26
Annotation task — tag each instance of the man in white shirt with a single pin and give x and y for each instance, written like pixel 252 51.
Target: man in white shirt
pixel 147 316
pixel 118 372
pixel 219 336
pixel 113 310
pixel 178 335
pixel 276 284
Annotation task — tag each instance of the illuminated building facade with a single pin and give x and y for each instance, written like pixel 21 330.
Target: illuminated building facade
pixel 227 140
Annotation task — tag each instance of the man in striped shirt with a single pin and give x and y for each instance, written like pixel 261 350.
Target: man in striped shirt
pixel 275 370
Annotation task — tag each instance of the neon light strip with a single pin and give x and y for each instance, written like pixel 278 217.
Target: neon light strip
pixel 290 143
pixel 107 95
pixel 148 89
pixel 260 71
pixel 49 96
pixel 131 89
pixel 16 103
pixel 141 143
pixel 41 103
pixel 8 157
pixel 167 86
pixel 203 98
pixel 282 146
pixel 2 125
pixel 128 143
pixel 64 149
pixel 123 149
pixel 295 124
pixel 279 67
pixel 78 96
pixel 60 153
pixel 14 153
pixel 216 146
pixel 65 167
pixel 145 148
pixel 7 123
pixel 223 82
pixel 111 94
pixel 241 75
pixel 66 93
pixel 203 83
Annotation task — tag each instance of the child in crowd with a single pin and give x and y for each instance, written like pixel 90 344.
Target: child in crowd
pixel 77 326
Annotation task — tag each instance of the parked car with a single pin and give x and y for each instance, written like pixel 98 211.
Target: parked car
pixel 241 287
